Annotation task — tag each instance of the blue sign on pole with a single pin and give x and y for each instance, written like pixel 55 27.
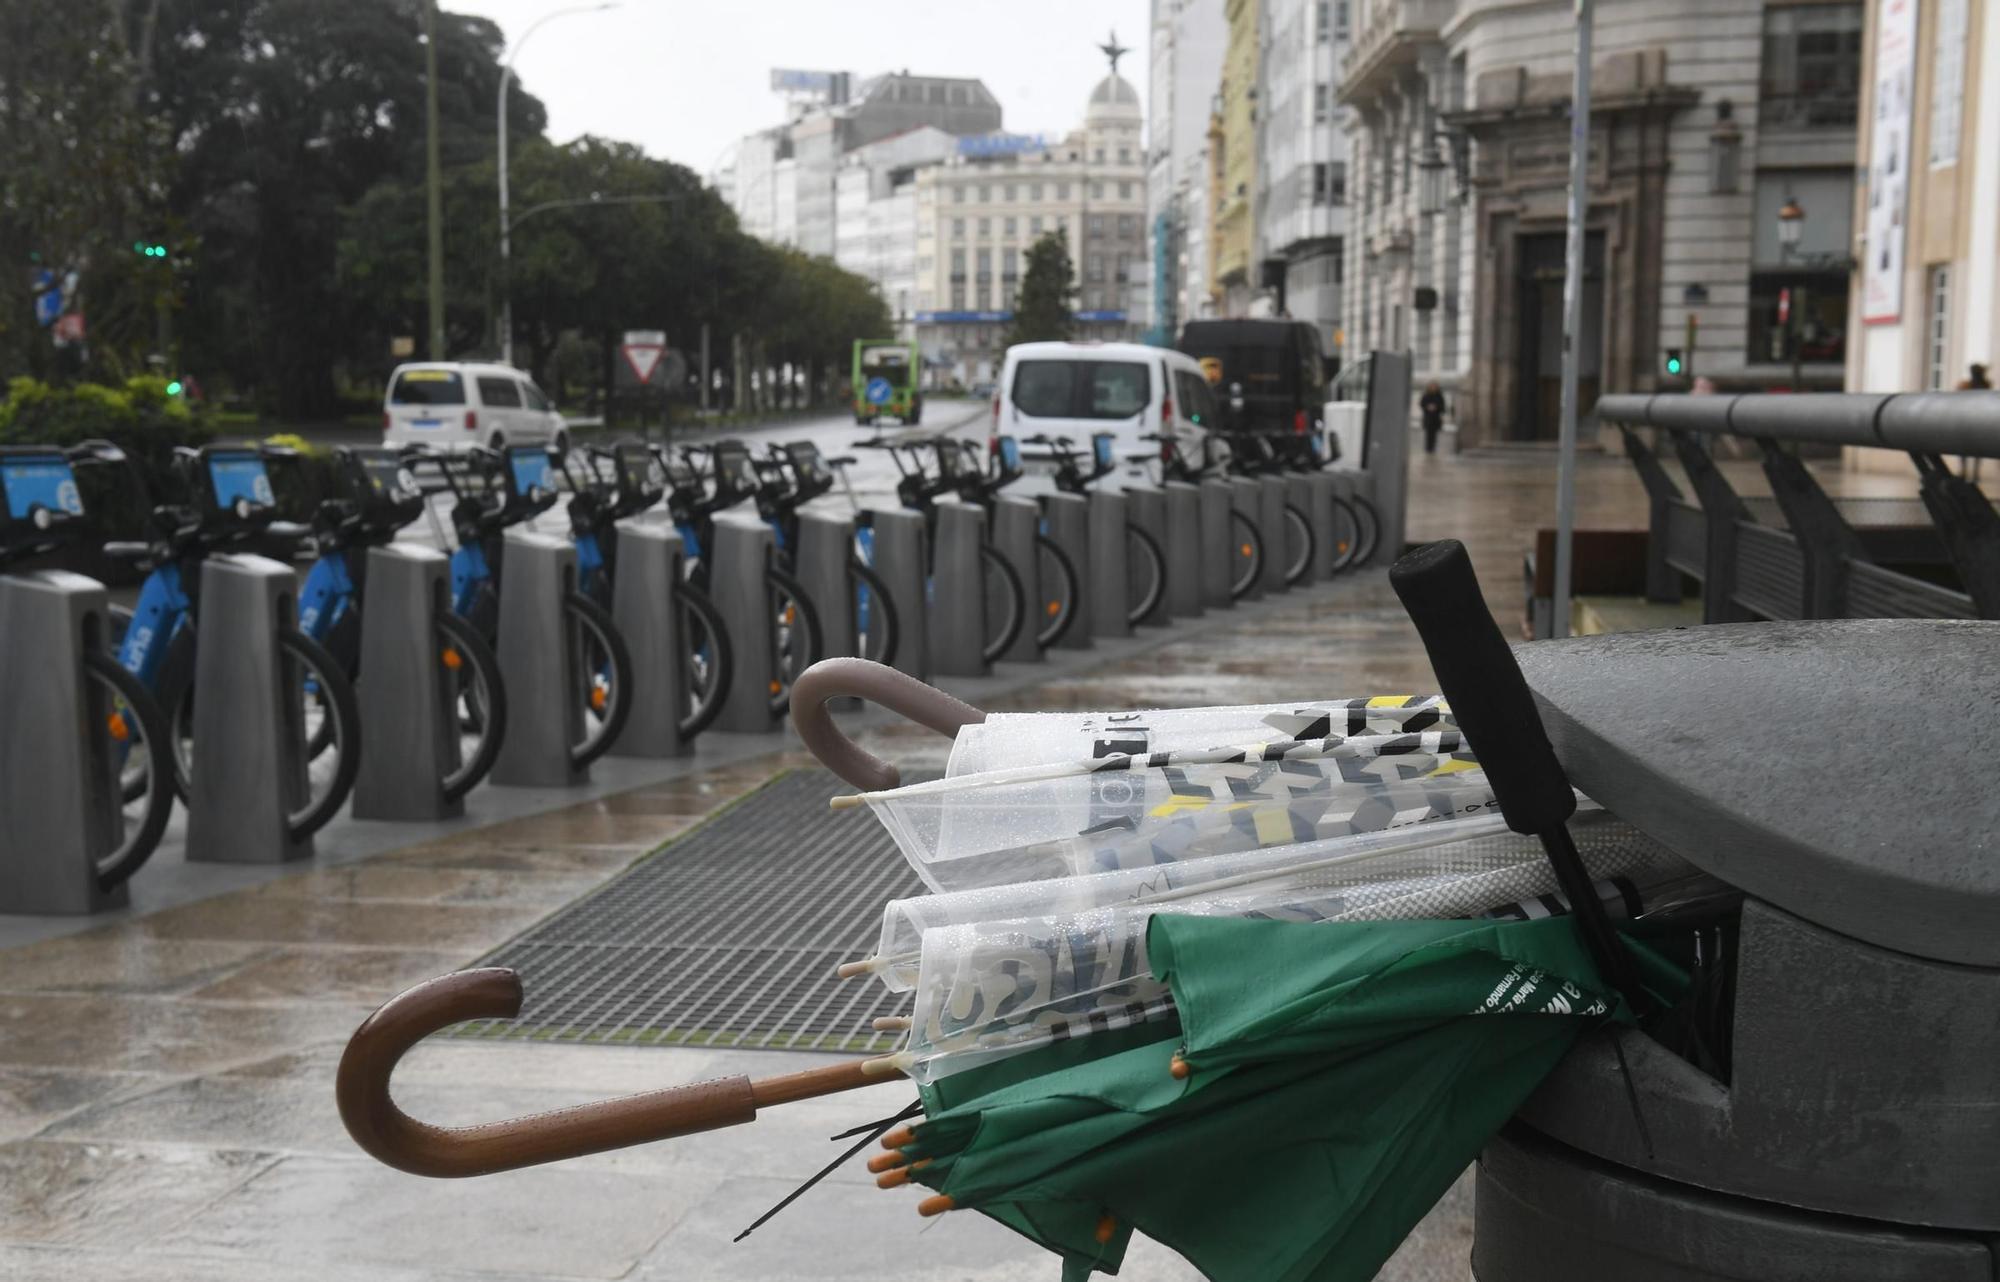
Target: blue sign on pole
pixel 879 391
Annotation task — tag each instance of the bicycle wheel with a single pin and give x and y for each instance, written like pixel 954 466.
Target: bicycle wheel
pixel 140 758
pixel 1346 541
pixel 1298 545
pixel 795 640
pixel 709 660
pixel 1055 591
pixel 1148 566
pixel 1246 555
pixel 875 623
pixel 471 673
pixel 602 673
pixel 322 703
pixel 1371 529
pixel 1002 581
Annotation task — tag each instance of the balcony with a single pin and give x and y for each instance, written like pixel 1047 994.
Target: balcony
pixel 1389 37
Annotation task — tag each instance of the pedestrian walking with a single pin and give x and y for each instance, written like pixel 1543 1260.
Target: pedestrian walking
pixel 1432 407
pixel 1976 380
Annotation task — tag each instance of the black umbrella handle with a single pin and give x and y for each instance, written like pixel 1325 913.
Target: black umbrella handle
pixel 1490 701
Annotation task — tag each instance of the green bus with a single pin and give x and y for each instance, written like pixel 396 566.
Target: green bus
pixel 885 381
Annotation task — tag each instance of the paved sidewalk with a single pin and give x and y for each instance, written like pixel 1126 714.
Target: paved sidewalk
pixel 166 1103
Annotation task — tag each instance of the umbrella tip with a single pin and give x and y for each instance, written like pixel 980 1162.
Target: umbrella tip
pixel 1107 1227
pixel 899 1137
pixel 892 1023
pixel 887 1065
pixel 855 969
pixel 1179 1067
pixel 886 1162
pixel 936 1205
pixel 845 801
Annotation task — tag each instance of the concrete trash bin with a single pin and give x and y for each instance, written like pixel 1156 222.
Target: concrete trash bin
pixel 1854 1132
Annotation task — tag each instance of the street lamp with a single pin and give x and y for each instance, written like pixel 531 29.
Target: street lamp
pixel 1430 179
pixel 506 75
pixel 1791 229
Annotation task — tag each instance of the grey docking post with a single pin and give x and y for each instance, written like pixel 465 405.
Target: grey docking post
pixel 1218 543
pixel 1276 530
pixel 742 552
pixel 1110 590
pixel 826 543
pixel 958 591
pixel 409 714
pixel 1386 453
pixel 1247 496
pixel 58 769
pixel 1068 518
pixel 538 663
pixel 1016 522
pixel 899 560
pixel 1146 508
pixel 643 608
pixel 1312 494
pixel 1181 543
pixel 249 727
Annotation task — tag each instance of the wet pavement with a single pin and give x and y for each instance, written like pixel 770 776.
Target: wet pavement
pixel 166 1101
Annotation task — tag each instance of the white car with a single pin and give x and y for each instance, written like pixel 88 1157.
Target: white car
pixel 1128 391
pixel 452 404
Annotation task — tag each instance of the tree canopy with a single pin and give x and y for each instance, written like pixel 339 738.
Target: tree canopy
pixel 1043 312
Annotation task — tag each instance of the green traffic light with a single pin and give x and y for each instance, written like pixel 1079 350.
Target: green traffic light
pixel 174 388
pixel 1673 366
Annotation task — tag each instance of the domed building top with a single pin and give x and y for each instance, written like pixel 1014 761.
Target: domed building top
pixel 1114 99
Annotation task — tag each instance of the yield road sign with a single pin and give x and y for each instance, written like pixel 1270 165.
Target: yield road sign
pixel 642 350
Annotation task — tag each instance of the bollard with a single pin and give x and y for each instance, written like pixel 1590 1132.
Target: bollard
pixel 958 592
pixel 736 565
pixel 249 762
pixel 1312 494
pixel 537 665
pixel 642 607
pixel 826 544
pixel 1218 543
pixel 1246 495
pixel 1183 547
pixel 1277 529
pixel 1110 590
pixel 58 771
pixel 899 559
pixel 1066 521
pixel 1016 522
pixel 1146 508
pixel 409 713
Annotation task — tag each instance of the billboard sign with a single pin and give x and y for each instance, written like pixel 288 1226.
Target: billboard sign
pixel 1001 144
pixel 1889 161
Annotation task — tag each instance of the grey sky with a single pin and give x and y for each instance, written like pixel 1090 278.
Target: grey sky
pixel 685 79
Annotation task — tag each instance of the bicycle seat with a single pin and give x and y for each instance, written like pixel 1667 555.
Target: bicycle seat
pixel 127 550
pixel 844 460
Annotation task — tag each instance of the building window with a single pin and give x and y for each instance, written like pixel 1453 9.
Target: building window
pixel 1097 191
pixel 1812 66
pixel 1035 225
pixel 958 229
pixel 1100 156
pixel 1340 27
pixel 985 227
pixel 1322 103
pixel 1124 155
pixel 958 195
pixel 958 295
pixel 1817 302
pixel 1007 226
pixel 1007 192
pixel 985 194
pixel 1096 226
pixel 1128 225
pixel 1034 192
pixel 1323 21
pixel 985 261
pixel 1124 191
pixel 958 264
pixel 1937 334
pixel 1094 269
pixel 1010 265
pixel 1947 82
pixel 1062 191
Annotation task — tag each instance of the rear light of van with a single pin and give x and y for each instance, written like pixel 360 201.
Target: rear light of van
pixel 386 420
pixel 996 418
pixel 1167 413
pixel 1299 423
pixel 472 420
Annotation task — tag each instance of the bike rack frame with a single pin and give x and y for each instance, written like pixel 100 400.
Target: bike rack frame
pixel 249 732
pixel 409 717
pixel 642 606
pixel 538 663
pixel 58 767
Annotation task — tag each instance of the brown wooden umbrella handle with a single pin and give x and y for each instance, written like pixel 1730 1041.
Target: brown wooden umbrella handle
pixel 878 683
pixel 391 1136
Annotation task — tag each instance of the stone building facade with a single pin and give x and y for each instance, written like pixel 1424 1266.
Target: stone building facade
pixel 1707 117
pixel 1301 204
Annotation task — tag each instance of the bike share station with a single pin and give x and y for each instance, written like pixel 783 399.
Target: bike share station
pixel 343 660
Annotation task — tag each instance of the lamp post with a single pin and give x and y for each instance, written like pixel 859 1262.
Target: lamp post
pixel 506 76
pixel 1791 228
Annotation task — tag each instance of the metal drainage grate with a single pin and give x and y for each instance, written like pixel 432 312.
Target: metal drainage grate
pixel 728 936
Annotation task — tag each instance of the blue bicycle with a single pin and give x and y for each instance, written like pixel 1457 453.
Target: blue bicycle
pixel 377 497
pixel 42 510
pixel 232 507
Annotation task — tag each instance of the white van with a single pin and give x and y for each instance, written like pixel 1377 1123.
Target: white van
pixel 1128 390
pixel 451 404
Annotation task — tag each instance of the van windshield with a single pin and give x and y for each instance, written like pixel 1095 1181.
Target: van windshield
pixel 428 387
pixel 1081 389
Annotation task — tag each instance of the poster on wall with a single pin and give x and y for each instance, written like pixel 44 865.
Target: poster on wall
pixel 1889 161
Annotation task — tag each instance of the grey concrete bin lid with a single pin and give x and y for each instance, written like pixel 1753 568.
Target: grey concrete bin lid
pixel 1846 771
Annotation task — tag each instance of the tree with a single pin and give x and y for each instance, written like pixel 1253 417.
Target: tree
pixel 1043 312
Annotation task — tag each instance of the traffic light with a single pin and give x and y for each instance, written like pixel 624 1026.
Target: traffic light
pixel 149 250
pixel 1674 365
pixel 174 388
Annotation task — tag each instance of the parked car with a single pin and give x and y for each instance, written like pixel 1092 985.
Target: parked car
pixel 1128 390
pixel 458 403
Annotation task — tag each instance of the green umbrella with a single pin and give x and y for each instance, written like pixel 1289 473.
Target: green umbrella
pixel 1325 1085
